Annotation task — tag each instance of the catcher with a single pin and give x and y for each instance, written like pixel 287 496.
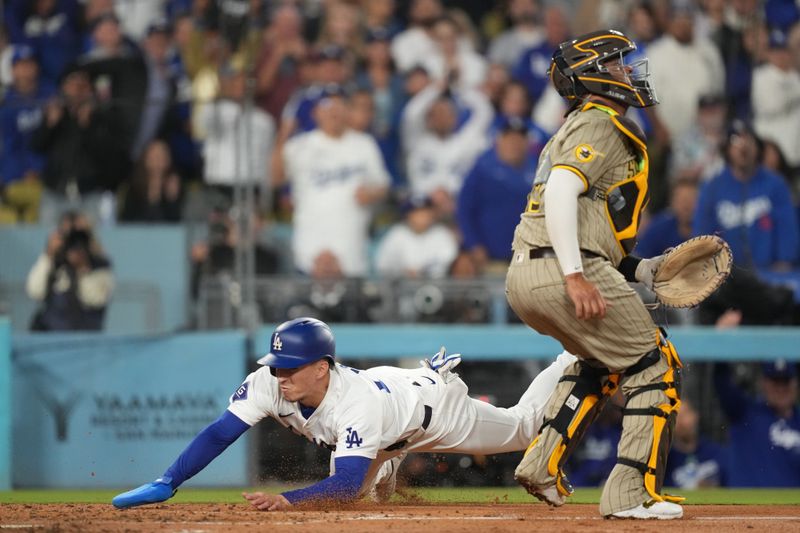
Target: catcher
pixel 369 419
pixel 568 279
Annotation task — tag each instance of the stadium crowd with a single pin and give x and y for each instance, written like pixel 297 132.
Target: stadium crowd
pixel 399 139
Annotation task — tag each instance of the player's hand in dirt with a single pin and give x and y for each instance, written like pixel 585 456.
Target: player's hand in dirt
pixel 158 491
pixel 589 303
pixel 267 502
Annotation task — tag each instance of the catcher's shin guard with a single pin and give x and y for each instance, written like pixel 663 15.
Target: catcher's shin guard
pixel 579 398
pixel 663 415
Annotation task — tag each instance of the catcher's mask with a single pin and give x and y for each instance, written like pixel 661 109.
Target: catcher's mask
pixel 595 64
pixel 299 342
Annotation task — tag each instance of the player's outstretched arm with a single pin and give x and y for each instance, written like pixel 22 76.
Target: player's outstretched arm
pixel 344 486
pixel 206 446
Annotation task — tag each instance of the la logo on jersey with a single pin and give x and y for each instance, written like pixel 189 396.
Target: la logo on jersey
pixel 352 438
pixel 277 344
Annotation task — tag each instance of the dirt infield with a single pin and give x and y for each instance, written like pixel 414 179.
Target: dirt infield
pixel 365 518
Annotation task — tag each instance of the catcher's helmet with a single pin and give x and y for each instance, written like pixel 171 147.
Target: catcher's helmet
pixel 298 342
pixel 579 68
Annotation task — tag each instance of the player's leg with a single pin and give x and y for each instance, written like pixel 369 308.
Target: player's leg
pixel 534 399
pixel 633 489
pixel 578 398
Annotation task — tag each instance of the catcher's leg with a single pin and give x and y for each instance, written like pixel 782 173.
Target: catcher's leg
pixel 578 399
pixel 652 390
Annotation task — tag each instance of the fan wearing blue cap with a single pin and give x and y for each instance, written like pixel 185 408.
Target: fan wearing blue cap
pixel 764 432
pixel 369 419
pixel 20 117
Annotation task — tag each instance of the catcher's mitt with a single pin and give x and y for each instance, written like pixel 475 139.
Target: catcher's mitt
pixel 691 271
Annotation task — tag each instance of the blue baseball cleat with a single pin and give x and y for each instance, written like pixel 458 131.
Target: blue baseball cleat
pixel 158 491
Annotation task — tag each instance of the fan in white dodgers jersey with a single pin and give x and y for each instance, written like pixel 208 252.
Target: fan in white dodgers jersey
pixel 369 419
pixel 336 174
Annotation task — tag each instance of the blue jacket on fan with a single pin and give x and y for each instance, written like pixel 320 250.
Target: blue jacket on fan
pixel 764 449
pixel 492 197
pixel 756 218
pixel 20 116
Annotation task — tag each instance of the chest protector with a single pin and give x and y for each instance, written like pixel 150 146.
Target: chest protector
pixel 626 199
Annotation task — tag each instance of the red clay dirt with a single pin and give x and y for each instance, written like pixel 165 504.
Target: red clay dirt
pixel 405 518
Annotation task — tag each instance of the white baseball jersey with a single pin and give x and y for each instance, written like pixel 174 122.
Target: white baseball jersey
pixel 385 411
pixel 429 254
pixel 325 173
pixel 433 162
pixel 237 144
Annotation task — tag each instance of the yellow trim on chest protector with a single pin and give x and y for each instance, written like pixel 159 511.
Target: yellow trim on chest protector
pixel 623 220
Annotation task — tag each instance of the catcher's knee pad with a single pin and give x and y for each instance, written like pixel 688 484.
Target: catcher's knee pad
pixel 593 387
pixel 663 417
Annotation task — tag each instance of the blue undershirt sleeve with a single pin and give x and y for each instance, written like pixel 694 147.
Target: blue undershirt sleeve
pixel 206 446
pixel 342 486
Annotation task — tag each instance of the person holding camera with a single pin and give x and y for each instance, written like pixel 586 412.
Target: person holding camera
pixel 79 140
pixel 72 279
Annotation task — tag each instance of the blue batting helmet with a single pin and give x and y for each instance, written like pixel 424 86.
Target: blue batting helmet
pixel 298 342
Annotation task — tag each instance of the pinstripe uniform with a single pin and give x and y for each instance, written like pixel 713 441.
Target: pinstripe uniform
pixel 594 144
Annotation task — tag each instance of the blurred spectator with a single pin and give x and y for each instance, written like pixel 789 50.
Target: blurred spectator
pixel 119 75
pixel 741 39
pixel 781 14
pixel 239 137
pixel 154 192
pixel 597 453
pixel 694 461
pixel 241 24
pixel 493 196
pixel 764 433
pixel 136 16
pixel 776 99
pixel 328 68
pixel 341 27
pixel 495 82
pixel 377 75
pixel 161 84
pixel 278 67
pixel 361 111
pixel 697 154
pixel 412 46
pixel 750 207
pixel 533 67
pixel 72 279
pixel 415 81
pixel 459 66
pixel 20 117
pixel 514 105
pixel 216 255
pixel 525 33
pixel 418 247
pixel 379 16
pixel 701 71
pixel 336 175
pixel 84 156
pixel 438 156
pixel 672 226
pixel 50 27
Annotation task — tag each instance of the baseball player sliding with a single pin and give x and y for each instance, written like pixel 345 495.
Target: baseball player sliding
pixel 568 279
pixel 369 419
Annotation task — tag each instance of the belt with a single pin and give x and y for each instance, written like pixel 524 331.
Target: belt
pixel 426 421
pixel 547 251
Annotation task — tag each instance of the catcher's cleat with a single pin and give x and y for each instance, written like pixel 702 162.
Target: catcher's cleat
pixel 651 510
pixel 551 495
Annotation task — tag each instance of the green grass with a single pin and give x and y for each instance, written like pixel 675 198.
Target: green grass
pixel 442 495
